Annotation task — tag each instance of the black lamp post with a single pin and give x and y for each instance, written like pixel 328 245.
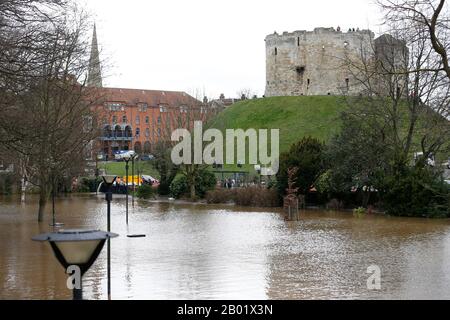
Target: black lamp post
pixel 127 159
pixel 258 171
pixel 76 248
pixel 109 181
pixel 133 157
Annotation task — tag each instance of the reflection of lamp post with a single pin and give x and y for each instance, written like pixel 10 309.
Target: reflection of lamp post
pixel 76 248
pixel 109 181
pixel 127 159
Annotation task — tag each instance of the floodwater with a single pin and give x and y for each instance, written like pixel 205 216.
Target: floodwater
pixel 197 251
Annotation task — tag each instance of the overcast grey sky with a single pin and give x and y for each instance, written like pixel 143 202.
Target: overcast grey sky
pixel 207 45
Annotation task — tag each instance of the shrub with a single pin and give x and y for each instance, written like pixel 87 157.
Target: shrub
pixel 418 192
pixel 308 156
pixel 257 197
pixel 145 192
pixel 204 182
pixel 86 185
pixel 220 196
pixel 178 187
pixel 6 183
pixel 359 212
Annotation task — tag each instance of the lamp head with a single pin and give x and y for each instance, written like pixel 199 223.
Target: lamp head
pixel 109 180
pixel 76 247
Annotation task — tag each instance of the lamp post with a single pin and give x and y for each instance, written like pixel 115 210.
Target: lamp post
pixel 133 157
pixel 78 248
pixel 258 171
pixel 109 181
pixel 127 159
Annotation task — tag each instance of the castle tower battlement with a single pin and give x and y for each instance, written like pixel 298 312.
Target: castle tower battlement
pixel 312 62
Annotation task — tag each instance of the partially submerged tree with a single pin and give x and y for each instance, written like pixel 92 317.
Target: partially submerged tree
pixel 46 117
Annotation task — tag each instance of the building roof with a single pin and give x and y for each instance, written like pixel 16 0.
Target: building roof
pixel 151 97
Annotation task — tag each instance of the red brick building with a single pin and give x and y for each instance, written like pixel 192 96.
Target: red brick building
pixel 133 119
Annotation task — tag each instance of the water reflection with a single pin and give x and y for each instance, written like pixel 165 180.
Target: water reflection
pixel 224 252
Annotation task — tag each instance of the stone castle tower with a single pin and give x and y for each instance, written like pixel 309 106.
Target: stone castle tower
pixel 95 69
pixel 313 62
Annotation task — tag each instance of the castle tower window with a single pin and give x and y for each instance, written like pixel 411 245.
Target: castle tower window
pixel 298 41
pixel 276 51
pixel 308 81
pixel 347 83
pixel 300 69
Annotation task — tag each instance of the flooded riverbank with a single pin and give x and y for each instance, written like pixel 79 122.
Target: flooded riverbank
pixel 197 251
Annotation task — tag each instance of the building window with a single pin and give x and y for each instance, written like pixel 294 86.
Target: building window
pixel 162 109
pixel 147 120
pixel 147 132
pixel 203 110
pixel 159 120
pixel 115 106
pixel 143 107
pixel 114 119
pixel 138 120
pixel 138 131
pixel 183 109
pixel 159 132
pixel 124 119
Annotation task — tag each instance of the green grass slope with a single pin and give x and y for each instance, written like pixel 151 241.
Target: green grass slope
pixel 296 117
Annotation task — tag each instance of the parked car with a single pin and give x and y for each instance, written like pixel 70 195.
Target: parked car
pixel 119 155
pixel 147 157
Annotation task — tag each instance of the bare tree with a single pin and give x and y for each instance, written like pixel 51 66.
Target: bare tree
pixel 406 90
pixel 47 119
pixel 431 17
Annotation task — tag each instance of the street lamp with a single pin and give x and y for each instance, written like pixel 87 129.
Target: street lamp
pixel 109 181
pixel 133 157
pixel 127 159
pixel 76 248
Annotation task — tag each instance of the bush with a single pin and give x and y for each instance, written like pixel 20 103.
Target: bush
pixel 87 185
pixel 204 182
pixel 220 196
pixel 145 192
pixel 257 197
pixel 308 156
pixel 246 197
pixel 359 212
pixel 416 192
pixel 6 183
pixel 178 187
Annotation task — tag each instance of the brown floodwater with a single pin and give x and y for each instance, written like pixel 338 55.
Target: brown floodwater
pixel 195 251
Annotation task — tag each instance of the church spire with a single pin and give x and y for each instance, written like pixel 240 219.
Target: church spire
pixel 95 70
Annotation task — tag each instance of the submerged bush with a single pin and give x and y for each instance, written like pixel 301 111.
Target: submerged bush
pixel 145 192
pixel 359 212
pixel 204 182
pixel 246 197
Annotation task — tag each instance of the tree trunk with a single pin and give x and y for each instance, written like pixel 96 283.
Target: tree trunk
pixel 42 204
pixel 192 187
